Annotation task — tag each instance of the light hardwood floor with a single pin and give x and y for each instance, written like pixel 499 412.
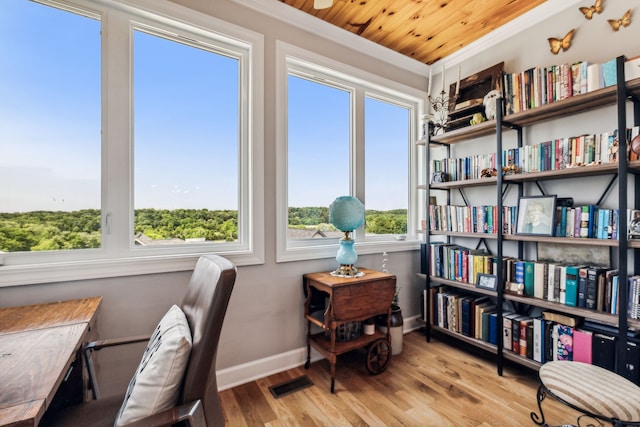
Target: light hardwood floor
pixel 428 384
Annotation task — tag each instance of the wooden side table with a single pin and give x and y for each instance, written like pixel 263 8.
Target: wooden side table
pixel 349 300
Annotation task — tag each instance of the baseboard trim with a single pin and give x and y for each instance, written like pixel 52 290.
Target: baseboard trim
pixel 254 370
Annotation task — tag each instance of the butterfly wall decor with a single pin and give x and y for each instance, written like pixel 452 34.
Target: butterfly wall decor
pixel 561 44
pixel 623 22
pixel 589 11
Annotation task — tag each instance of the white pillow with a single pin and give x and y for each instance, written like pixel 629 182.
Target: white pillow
pixel 156 383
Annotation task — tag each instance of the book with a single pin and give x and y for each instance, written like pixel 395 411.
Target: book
pixel 539 269
pixel 571 285
pixel 582 286
pixel 548 347
pixel 507 327
pixel 591 295
pixel 561 318
pixel 631 370
pixel 565 342
pixel 551 280
pixel 529 278
pixel 493 328
pixel 515 333
pixel 582 342
pixel 465 328
pixel 526 326
pixel 562 285
pixel 538 339
pixel 480 309
pixel 604 351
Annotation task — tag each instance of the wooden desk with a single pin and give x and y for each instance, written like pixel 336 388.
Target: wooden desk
pixel 349 300
pixel 38 345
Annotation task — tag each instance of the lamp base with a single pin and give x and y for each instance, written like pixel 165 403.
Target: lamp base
pixel 346 271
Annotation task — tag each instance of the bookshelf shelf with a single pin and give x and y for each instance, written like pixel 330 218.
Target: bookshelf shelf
pixel 608 319
pixel 464 183
pixel 521 360
pixel 473 341
pixel 459 234
pixel 566 107
pixel 462 285
pixel 563 240
pixel 620 174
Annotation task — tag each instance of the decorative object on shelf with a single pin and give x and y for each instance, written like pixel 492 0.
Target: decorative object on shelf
pixel 634 224
pixel 427 118
pixel 488 172
pixel 438 177
pixel 561 44
pixel 589 11
pixel 441 105
pixel 635 144
pixel 622 22
pixel 511 169
pixel 536 215
pixel 346 213
pixel 488 282
pixel 477 118
pixel 489 103
pixel 466 97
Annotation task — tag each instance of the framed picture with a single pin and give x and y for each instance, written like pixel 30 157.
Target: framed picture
pixel 536 215
pixel 487 281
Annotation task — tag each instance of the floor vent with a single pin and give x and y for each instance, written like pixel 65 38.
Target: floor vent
pixel 290 386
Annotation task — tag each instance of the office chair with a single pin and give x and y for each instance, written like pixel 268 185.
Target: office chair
pixel 176 378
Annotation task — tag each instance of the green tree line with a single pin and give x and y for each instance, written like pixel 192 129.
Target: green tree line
pixel 57 230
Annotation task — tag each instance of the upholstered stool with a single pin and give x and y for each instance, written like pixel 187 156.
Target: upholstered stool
pixel 590 389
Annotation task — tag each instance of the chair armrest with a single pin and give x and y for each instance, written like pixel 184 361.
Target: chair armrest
pixel 100 344
pixel 191 412
pixel 92 346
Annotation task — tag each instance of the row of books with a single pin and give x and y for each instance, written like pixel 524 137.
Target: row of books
pixel 590 287
pixel 557 154
pixel 583 286
pixel 538 86
pixel 471 219
pixel 464 168
pixel 585 221
pixel 458 263
pixel 469 315
pixel 542 337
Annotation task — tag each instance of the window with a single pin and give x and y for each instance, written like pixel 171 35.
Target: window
pixel 131 138
pixel 343 132
pixel 318 142
pixel 49 129
pixel 387 145
pixel 185 143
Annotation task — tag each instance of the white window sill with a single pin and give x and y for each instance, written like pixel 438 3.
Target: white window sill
pixel 17 275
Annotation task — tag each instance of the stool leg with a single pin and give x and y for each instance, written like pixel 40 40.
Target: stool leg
pixel 539 420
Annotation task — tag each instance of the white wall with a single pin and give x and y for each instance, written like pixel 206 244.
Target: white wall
pixel 264 330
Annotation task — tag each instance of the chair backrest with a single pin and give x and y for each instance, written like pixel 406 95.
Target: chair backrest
pixel 205 305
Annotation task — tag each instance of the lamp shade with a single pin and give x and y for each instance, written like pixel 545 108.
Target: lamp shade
pixel 346 213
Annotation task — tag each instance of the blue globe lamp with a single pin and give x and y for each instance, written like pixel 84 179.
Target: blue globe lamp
pixel 346 213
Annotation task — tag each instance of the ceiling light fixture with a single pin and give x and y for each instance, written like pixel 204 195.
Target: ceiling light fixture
pixel 322 4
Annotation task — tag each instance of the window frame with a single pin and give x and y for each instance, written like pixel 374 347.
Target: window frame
pixel 117 255
pixel 292 59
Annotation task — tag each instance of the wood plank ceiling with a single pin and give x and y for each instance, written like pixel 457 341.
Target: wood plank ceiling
pixel 425 30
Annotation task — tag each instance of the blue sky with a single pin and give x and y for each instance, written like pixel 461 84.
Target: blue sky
pixel 186 124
